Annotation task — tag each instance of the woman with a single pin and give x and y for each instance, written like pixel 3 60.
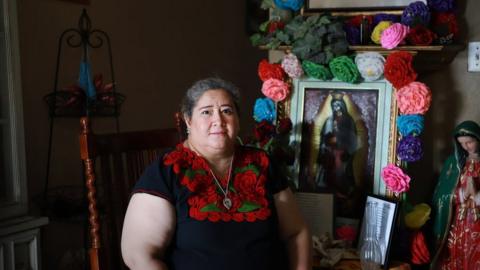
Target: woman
pixel 210 203
pixel 457 202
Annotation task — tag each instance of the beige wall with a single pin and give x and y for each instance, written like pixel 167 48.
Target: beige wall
pixel 159 48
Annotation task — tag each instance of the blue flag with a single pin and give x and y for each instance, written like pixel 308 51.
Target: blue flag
pixel 85 80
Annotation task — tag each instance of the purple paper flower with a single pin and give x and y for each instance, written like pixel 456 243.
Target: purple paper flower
pixel 410 149
pixel 353 34
pixel 384 17
pixel 416 13
pixel 441 5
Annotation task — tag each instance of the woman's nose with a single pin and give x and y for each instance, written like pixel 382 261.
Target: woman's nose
pixel 218 118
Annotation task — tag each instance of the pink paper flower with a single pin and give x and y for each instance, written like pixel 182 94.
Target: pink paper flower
pixel 275 89
pixel 414 98
pixel 395 179
pixel 394 35
pixel 292 66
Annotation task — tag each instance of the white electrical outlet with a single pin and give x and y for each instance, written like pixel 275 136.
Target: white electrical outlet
pixel 474 56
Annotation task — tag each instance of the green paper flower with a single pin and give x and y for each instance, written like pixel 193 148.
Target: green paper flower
pixel 344 69
pixel 316 71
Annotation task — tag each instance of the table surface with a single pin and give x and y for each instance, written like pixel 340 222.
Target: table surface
pixel 355 265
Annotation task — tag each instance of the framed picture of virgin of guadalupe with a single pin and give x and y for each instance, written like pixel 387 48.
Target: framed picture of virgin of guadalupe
pixel 344 135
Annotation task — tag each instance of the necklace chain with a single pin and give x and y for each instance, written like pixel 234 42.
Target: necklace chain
pixel 227 202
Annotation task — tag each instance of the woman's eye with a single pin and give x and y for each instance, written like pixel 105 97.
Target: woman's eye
pixel 227 111
pixel 205 112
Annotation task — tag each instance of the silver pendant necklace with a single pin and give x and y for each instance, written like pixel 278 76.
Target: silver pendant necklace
pixel 227 202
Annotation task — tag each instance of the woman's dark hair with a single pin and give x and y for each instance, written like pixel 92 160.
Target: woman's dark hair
pixel 194 93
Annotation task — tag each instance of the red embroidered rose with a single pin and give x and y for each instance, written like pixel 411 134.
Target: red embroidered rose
pixel 420 35
pixel 399 70
pixel 247 186
pixel 270 71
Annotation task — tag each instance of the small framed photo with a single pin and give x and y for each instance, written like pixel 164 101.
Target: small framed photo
pixel 385 215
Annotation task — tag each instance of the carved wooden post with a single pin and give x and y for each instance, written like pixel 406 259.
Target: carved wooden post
pixel 87 155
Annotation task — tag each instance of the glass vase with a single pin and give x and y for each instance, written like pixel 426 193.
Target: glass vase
pixel 370 252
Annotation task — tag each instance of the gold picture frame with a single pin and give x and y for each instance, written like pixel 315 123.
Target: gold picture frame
pixel 345 159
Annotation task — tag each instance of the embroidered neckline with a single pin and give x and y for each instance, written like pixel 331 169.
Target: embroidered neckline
pixel 246 191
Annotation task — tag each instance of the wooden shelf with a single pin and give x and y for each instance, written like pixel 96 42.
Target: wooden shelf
pixel 427 58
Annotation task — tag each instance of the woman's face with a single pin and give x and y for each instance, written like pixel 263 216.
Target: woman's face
pixel 469 144
pixel 214 123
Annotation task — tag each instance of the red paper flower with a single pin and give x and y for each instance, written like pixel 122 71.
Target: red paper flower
pixel 357 20
pixel 270 71
pixel 263 132
pixel 275 25
pixel 448 19
pixel 346 232
pixel 399 70
pixel 418 248
pixel 284 126
pixel 420 35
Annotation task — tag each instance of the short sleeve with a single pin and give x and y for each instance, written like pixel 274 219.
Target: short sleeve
pixel 157 179
pixel 276 176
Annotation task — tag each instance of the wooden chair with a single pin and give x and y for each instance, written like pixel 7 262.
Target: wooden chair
pixel 112 164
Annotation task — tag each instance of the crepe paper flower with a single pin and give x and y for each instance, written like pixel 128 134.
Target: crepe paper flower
pixel 441 5
pixel 416 13
pixel 346 232
pixel 343 68
pixel 418 248
pixel 409 149
pixel 399 70
pixel 395 179
pixel 358 20
pixel 352 34
pixel 264 110
pixel 414 98
pixel 416 218
pixel 384 17
pixel 370 65
pixel 394 35
pixel 294 5
pixel 275 89
pixel 284 126
pixel 292 66
pixel 410 124
pixel 264 132
pixel 316 71
pixel 275 25
pixel 378 30
pixel 421 36
pixel 270 71
pixel 445 25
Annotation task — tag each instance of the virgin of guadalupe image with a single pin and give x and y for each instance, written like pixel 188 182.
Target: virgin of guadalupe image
pixel 338 154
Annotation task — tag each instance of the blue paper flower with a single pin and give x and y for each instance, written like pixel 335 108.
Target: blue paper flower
pixel 410 149
pixel 264 110
pixel 416 13
pixel 294 5
pixel 410 124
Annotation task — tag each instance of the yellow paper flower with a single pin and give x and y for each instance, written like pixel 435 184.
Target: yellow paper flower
pixel 418 216
pixel 377 31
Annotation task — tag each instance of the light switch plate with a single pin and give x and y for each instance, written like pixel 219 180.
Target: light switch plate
pixel 474 56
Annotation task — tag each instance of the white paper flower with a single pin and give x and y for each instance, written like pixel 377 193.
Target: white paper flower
pixel 370 65
pixel 292 66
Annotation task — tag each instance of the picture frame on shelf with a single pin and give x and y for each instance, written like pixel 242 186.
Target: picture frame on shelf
pixel 312 6
pixel 386 212
pixel 342 153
